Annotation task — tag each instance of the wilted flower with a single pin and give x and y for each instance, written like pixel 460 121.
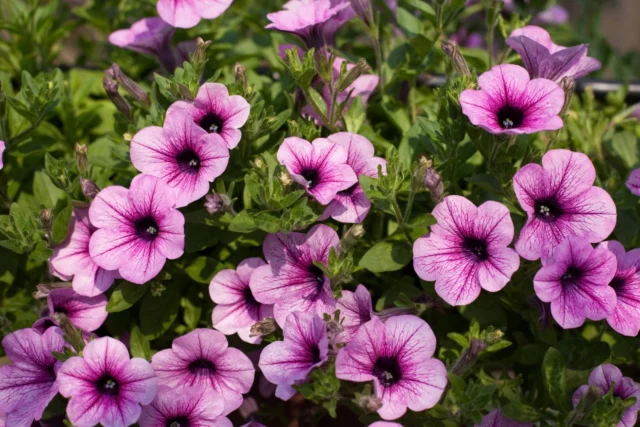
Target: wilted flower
pixel 575 280
pixel 138 228
pixel 181 154
pixel 633 182
pixel 496 418
pixel 433 183
pixel 149 36
pixel 560 200
pixel 128 84
pixel 86 313
pixel 397 357
pixel 305 347
pixel 467 250
pixel 89 188
pixel 106 386
pixel 213 203
pixel 187 13
pixel 508 102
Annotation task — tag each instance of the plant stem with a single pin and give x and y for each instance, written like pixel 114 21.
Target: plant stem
pixel 399 218
pixel 317 109
pixel 378 50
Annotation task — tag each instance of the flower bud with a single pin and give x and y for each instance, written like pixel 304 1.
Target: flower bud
pixel 543 309
pixel 387 314
pixel 334 328
pixel 111 88
pixel 368 402
pixel 128 84
pixel 81 158
pixel 264 327
pixel 240 73
pixel 351 237
pixel 249 407
pixel 285 178
pixel 456 58
pixel 43 289
pixel 46 218
pixel 89 188
pixel 433 182
pixel 200 54
pixel 363 9
pixel 568 84
pixel 469 356
pixel 213 203
pixel 71 334
pixel 359 69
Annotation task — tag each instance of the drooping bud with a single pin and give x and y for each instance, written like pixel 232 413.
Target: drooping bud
pixel 264 327
pixel 71 334
pixel 433 182
pixel 568 84
pixel 128 84
pixel 359 69
pixel 334 328
pixel 111 88
pixel 200 54
pixel 240 73
pixel 543 308
pixel 89 188
pixel 469 356
pixel 43 289
pixel 81 158
pixel 457 60
pixel 213 203
pixel 368 402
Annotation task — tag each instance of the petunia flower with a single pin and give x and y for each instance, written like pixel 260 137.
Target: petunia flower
pixel 560 200
pixel 355 310
pixel 575 280
pixel 29 384
pixel 633 182
pixel 626 283
pixel 496 418
pixel 508 102
pixel 236 308
pixel 603 378
pixel 2 148
pixel 545 59
pixel 288 362
pixel 71 258
pixel 149 36
pixel 467 250
pixel 86 313
pixel 351 205
pixel 187 13
pixel 320 167
pixel 202 358
pixel 181 154
pixel 290 280
pixel 397 357
pixel 216 112
pixel 178 407
pixel 555 15
pixel 138 228
pixel 105 385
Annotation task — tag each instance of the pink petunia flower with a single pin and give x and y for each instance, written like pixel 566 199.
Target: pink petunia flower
pixel 603 378
pixel 467 250
pixel 397 357
pixel 351 205
pixel 626 317
pixel 496 418
pixel 29 384
pixel 385 424
pixel 554 15
pixel 105 385
pixel 545 59
pixel 290 280
pixel 315 22
pixel 149 36
pixel 508 102
pixel 138 228
pixel 355 310
pixel 86 313
pixel 202 358
pixel 216 112
pixel 71 258
pixel 320 167
pixel 192 407
pixel 237 309
pixel 181 154
pixel 2 148
pixel 560 200
pixel 305 347
pixel 187 13
pixel 633 182
pixel 575 280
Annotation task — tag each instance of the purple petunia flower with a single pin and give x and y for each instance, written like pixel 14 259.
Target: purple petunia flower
pixel 105 385
pixel 315 22
pixel 633 182
pixel 355 310
pixel 149 36
pixel 138 228
pixel 217 112
pixel 385 424
pixel 187 13
pixel 544 59
pixel 497 419
pixel 626 317
pixel 508 102
pixel 237 309
pixel 181 154
pixel 320 167
pixel 28 385
pixel 305 347
pixel 2 148
pixel 202 358
pixel 560 200
pixel 625 388
pixel 467 250
pixel 71 258
pixel 553 15
pixel 397 357
pixel 86 313
pixel 290 280
pixel 351 205
pixel 193 407
pixel 575 280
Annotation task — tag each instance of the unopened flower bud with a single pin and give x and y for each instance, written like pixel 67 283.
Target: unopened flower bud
pixel 46 218
pixel 493 337
pixel 264 327
pixel 111 88
pixel 368 402
pixel 43 289
pixel 285 178
pixel 258 163
pixel 387 314
pixel 469 356
pixel 334 328
pixel 81 158
pixel 71 334
pixel 213 203
pixel 456 58
pixel 359 69
pixel 433 182
pixel 568 84
pixel 89 188
pixel 240 73
pixel 200 54
pixel 128 84
pixel 351 237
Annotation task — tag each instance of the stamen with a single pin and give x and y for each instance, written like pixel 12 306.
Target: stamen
pixel 152 230
pixel 508 124
pixel 544 210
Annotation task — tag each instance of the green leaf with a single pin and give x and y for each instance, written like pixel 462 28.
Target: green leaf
pixel 60 226
pixel 157 314
pixel 409 22
pixel 553 370
pixel 625 145
pixel 243 223
pixel 386 256
pixel 192 313
pixel 318 100
pixel 139 344
pixel 125 295
pixel 355 115
pixel 581 355
pixel 46 192
pixel 200 236
pixel 202 269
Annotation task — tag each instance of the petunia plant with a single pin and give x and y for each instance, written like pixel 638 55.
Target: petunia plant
pixel 317 212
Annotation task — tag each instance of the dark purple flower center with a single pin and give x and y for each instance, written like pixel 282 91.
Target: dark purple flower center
pixel 348 191
pixel 571 276
pixel 249 299
pixel 617 283
pixel 61 310
pixel 547 209
pixel 510 117
pixel 212 123
pixel 312 176
pixel 317 274
pixel 107 385
pixel 476 248
pixel 178 422
pixel 188 160
pixel 315 354
pixel 202 367
pixel 387 370
pixel 147 228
